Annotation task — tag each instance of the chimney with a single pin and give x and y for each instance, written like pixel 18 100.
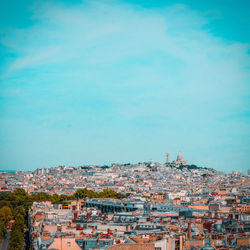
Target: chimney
pixel 189 230
pixel 203 180
pixel 88 216
pixel 181 242
pixel 75 215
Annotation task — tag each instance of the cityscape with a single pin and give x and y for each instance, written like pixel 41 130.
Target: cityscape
pixel 148 205
pixel 124 125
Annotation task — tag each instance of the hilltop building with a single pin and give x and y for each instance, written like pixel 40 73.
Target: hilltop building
pixel 178 161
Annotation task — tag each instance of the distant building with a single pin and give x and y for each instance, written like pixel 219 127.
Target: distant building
pixel 179 160
pixel 167 158
pixel 235 172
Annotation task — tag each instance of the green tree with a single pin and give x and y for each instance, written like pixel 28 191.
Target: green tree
pixel 16 240
pixel 5 217
pixel 19 210
pixel 5 213
pixel 4 203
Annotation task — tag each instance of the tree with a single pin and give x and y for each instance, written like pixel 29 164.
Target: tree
pixel 16 240
pixel 4 203
pixel 19 210
pixel 5 217
pixel 5 213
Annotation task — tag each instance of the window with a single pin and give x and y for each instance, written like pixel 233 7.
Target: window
pixel 68 244
pixel 157 248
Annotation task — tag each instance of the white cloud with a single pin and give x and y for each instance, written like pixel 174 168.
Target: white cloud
pixel 32 60
pixel 113 44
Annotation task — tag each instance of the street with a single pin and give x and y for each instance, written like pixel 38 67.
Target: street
pixel 5 243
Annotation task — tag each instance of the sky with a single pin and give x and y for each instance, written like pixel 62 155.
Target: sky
pixel 101 82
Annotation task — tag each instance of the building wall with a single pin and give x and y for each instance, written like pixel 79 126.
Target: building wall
pixel 64 244
pixel 243 242
pixel 165 244
pixel 132 247
pixel 200 207
pixel 243 208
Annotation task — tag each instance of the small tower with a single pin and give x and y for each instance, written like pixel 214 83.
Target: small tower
pixel 167 159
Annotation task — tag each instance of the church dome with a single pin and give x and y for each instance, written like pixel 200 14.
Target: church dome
pixel 179 156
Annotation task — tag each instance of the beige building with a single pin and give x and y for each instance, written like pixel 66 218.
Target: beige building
pixel 64 244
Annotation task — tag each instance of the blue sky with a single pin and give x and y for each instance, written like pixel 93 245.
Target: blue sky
pixel 97 82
